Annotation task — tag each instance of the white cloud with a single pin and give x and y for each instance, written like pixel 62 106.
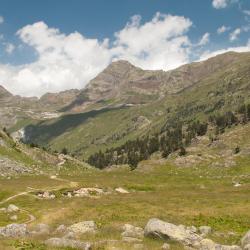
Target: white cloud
pixel 222 29
pixel 208 54
pixel 204 40
pixel 234 35
pixel 247 12
pixel 1 19
pixel 220 4
pixel 158 44
pixel 9 48
pixel 70 61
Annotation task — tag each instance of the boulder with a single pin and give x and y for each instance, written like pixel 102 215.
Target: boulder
pixel 132 231
pixel 246 239
pixel 168 231
pixel 165 246
pixel 62 242
pixel 83 227
pixel 205 230
pixel 14 230
pixel 12 208
pixel 121 190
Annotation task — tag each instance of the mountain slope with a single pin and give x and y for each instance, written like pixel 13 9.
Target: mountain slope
pixel 123 83
pixel 204 94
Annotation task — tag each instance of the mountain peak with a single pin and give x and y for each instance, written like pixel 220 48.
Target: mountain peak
pixel 4 92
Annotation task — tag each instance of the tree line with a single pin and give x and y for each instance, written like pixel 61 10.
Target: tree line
pixel 174 136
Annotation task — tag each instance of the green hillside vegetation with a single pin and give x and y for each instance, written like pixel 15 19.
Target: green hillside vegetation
pixel 87 133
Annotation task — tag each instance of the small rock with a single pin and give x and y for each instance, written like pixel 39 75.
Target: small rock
pixel 205 230
pixel 246 239
pixel 12 208
pixel 13 217
pixel 165 246
pixel 121 190
pixel 62 242
pixel 83 227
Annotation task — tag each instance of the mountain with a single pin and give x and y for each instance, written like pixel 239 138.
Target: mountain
pixel 110 110
pixel 123 83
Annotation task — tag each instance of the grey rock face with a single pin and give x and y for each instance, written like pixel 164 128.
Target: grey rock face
pixel 165 230
pixel 14 230
pixel 62 242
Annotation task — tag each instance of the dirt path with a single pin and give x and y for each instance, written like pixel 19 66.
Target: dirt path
pixel 14 196
pixel 31 216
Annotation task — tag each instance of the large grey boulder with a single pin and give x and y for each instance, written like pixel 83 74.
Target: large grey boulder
pixel 62 242
pixel 14 230
pixel 83 227
pixel 246 239
pixel 168 231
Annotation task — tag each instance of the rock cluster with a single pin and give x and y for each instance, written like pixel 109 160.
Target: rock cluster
pixel 46 195
pixel 190 237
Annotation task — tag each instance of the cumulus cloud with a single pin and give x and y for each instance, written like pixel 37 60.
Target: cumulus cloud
pixel 220 4
pixel 204 40
pixel 235 34
pixel 1 19
pixel 70 61
pixel 222 29
pixel 158 44
pixel 9 48
pixel 208 54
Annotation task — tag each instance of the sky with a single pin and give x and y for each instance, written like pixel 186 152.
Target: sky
pixel 51 46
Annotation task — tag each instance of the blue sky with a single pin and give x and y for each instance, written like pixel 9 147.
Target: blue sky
pixel 61 44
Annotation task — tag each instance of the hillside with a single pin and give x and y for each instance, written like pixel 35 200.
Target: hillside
pixel 193 92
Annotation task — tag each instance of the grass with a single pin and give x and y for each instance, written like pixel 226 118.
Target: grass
pixel 189 196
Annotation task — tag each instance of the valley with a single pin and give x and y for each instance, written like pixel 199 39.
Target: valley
pixel 94 168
